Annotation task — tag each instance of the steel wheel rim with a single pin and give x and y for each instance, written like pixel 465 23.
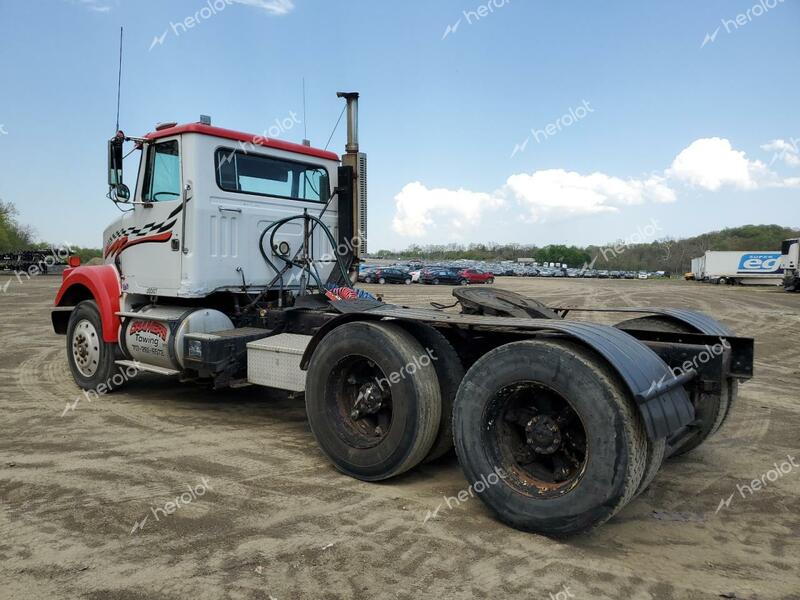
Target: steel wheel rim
pixel 85 346
pixel 351 390
pixel 534 434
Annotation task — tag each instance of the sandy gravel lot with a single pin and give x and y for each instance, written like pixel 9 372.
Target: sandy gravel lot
pixel 274 520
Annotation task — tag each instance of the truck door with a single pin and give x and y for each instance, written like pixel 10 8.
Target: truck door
pixel 148 250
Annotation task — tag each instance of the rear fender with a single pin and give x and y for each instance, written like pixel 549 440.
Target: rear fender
pixel 99 283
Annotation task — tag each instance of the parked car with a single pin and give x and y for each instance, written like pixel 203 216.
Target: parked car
pixel 438 275
pixel 392 275
pixel 477 276
pixel 643 275
pixel 415 275
pixel 367 275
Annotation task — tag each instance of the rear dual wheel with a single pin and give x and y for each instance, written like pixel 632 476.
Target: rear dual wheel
pixel 558 432
pixel 373 400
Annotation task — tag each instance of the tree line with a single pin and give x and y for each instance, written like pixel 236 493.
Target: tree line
pixel 667 254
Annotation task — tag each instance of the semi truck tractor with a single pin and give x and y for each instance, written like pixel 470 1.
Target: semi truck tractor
pixel 790 251
pixel 739 268
pixel 234 264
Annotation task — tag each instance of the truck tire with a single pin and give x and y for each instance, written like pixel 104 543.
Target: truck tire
pixel 449 372
pixel 712 410
pixel 558 431
pixel 371 414
pixel 91 360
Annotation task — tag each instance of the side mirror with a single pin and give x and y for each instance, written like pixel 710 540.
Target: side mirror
pixel 118 189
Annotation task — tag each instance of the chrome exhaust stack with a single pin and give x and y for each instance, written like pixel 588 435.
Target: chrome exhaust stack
pixel 358 162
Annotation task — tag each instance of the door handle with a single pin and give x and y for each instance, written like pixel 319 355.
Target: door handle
pixel 229 209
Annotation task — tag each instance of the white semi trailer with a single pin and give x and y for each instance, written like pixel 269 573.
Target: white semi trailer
pixel 791 264
pixel 739 268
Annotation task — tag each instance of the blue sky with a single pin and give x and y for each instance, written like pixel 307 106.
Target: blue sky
pixel 645 125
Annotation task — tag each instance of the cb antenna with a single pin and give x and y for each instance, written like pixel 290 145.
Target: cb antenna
pixel 305 120
pixel 119 79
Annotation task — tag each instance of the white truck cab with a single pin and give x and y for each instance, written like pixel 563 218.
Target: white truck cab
pixel 203 197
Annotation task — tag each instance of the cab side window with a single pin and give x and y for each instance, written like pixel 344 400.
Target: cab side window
pixel 162 176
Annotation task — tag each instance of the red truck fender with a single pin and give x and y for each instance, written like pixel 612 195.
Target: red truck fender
pixel 99 283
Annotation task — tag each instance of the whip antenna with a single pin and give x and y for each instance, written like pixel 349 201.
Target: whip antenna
pixel 119 78
pixel 305 120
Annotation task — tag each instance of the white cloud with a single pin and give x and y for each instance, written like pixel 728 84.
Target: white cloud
pixel 419 210
pixel 711 163
pixel 274 7
pixel 785 151
pixel 554 193
pixel 95 5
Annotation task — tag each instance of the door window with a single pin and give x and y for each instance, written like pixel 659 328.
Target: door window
pixel 162 177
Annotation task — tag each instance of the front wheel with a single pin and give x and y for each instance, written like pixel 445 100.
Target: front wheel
pixel 382 281
pixel 408 282
pixel 464 282
pixel 435 282
pixel 91 360
pixel 490 280
pixel 549 437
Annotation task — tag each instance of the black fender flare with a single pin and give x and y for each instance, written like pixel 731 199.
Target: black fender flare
pixel 665 409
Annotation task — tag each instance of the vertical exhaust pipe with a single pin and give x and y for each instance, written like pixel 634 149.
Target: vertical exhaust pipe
pixel 352 120
pixel 357 161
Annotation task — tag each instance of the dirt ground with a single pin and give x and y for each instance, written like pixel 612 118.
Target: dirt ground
pixel 268 517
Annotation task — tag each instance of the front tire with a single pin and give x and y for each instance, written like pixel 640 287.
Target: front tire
pixel 373 400
pixel 559 431
pixel 91 360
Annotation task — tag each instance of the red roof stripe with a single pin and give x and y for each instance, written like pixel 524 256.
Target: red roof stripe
pixel 238 136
